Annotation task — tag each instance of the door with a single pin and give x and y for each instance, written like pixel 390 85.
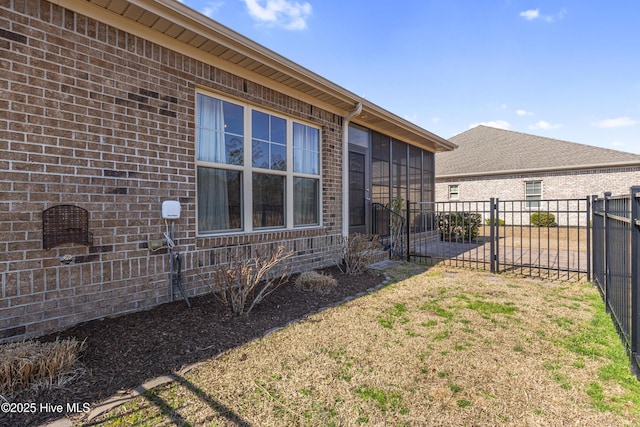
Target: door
pixel 359 197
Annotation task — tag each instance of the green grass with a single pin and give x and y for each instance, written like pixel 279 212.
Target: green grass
pixel 488 307
pixel 383 399
pixel 392 315
pixel 435 308
pixel 599 340
pixel 463 403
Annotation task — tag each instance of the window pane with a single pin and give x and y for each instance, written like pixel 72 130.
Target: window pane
pixel 260 125
pixel 233 118
pixel 234 150
pixel 533 188
pixel 453 192
pixel 260 154
pixel 278 157
pixel 306 153
pixel 534 204
pixel 358 136
pixel 219 131
pixel 278 130
pixel 268 200
pixel 533 193
pixel 357 187
pixel 269 141
pixel 219 200
pixel 305 201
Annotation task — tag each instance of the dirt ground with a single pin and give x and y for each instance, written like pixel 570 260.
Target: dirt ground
pixel 554 238
pixel 124 352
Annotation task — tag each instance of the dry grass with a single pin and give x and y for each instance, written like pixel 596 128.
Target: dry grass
pixel 34 364
pixel 445 347
pixel 554 238
pixel 316 282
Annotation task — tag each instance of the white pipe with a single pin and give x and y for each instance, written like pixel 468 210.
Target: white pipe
pixel 345 168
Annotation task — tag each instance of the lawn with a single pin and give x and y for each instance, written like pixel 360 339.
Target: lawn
pixel 437 347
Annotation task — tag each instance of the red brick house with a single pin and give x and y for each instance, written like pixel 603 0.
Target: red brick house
pixel 110 108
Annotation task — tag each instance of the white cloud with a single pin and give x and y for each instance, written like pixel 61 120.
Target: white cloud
pixel 533 14
pixel 558 16
pixel 615 123
pixel 211 8
pixel 283 13
pixel 523 113
pixel 544 126
pixel 499 124
pixel 530 14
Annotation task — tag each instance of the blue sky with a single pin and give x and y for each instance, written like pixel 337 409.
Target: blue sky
pixel 561 69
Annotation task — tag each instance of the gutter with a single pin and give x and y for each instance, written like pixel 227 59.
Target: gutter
pixel 345 168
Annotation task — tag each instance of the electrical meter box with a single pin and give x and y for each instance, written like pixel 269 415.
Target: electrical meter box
pixel 170 209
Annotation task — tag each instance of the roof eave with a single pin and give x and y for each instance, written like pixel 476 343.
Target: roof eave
pixel 537 170
pixel 339 100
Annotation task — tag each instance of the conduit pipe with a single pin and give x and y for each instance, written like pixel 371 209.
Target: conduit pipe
pixel 345 168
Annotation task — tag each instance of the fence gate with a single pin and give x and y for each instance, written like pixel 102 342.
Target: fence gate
pixel 539 238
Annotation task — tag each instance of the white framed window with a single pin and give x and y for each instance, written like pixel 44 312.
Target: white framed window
pixel 533 193
pixel 454 192
pixel 255 170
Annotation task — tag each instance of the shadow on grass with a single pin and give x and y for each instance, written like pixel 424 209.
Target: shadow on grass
pixel 139 413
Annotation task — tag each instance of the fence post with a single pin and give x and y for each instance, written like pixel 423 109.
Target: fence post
pixel 605 202
pixel 589 252
pixel 496 254
pixel 635 280
pixel 492 243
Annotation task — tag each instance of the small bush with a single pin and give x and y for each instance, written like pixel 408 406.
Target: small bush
pixel 316 282
pixel 243 283
pixel 543 219
pixel 454 226
pixel 357 253
pixel 35 364
pixel 500 222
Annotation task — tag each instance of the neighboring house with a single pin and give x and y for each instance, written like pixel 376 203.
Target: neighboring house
pixel 110 108
pixel 509 165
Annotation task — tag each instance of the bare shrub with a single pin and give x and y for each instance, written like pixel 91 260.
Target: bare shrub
pixel 243 283
pixel 358 251
pixel 35 364
pixel 316 282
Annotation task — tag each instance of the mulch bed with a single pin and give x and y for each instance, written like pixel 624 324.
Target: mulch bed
pixel 124 352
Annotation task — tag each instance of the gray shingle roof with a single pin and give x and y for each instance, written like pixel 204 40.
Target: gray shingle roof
pixel 485 150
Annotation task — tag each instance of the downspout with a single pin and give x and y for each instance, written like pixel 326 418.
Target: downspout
pixel 345 168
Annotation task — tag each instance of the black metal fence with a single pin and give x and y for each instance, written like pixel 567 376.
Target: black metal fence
pixel 616 264
pixel 539 238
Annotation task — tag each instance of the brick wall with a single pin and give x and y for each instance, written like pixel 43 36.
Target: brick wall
pixel 95 117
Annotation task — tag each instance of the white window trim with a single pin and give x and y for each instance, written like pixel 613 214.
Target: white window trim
pixel 526 196
pixel 247 170
pixel 457 193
